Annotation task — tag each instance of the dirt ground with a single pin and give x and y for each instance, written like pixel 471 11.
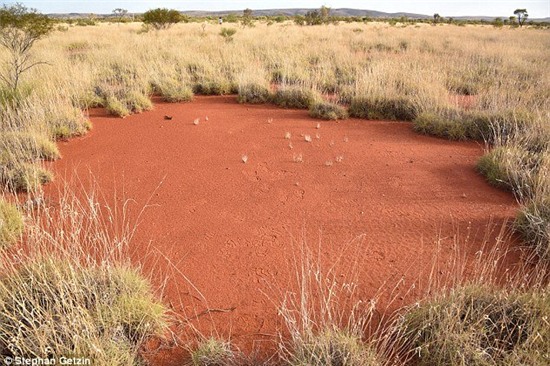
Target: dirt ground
pixel 369 193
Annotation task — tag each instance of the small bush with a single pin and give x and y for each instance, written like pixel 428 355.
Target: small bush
pixel 212 352
pixel 254 94
pixel 395 109
pixel 295 98
pixel 480 325
pixel 328 111
pixel 11 224
pixel 228 33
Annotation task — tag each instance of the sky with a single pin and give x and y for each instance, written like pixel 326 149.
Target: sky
pixel 502 8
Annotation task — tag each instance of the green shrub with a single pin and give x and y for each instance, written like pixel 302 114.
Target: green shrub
pixel 395 109
pixel 110 308
pixel 295 97
pixel 161 18
pixel 228 33
pixel 212 352
pixel 328 111
pixel 11 224
pixel 254 94
pixel 480 325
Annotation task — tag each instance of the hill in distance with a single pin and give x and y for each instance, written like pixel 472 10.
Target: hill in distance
pixel 344 12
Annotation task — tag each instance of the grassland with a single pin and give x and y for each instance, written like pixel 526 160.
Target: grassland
pixel 473 82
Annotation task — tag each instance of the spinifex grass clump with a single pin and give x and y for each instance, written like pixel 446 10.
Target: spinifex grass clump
pixel 334 347
pixel 32 146
pixel 19 176
pixel 328 111
pixel 395 109
pixel 213 352
pixel 11 224
pixel 72 292
pixel 102 312
pixel 533 222
pixel 123 89
pixel 326 321
pixel 173 91
pixel 215 86
pixel 477 325
pixel 295 97
pixel 254 94
pixel 67 122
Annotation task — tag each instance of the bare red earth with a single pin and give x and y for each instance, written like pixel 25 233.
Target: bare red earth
pixel 228 226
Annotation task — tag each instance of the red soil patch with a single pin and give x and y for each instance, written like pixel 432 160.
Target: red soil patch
pixel 228 226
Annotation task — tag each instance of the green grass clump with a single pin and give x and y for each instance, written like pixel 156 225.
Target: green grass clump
pixel 176 93
pixel 333 347
pixel 11 224
pixel 328 111
pixel 102 312
pixel 476 325
pixel 116 107
pixel 68 123
pixel 212 352
pixel 533 223
pixel 133 102
pixel 510 167
pixel 173 91
pixel 295 97
pixel 23 177
pixel 215 87
pixel 254 94
pixel 31 146
pixel 441 126
pixel 395 109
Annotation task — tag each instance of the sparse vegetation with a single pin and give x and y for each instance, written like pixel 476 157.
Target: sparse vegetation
pixel 413 76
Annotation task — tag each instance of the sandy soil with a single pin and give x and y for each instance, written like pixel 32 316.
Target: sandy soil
pixel 233 228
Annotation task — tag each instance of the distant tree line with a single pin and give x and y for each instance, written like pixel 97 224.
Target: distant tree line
pixel 164 18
